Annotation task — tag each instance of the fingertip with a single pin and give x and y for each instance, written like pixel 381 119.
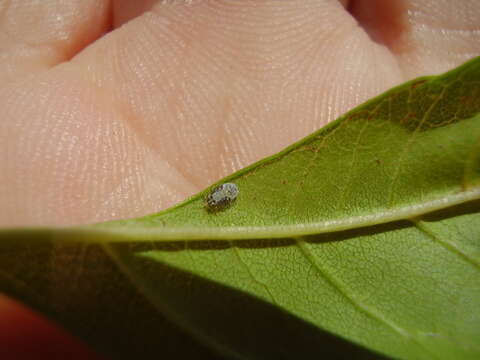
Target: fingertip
pixel 26 335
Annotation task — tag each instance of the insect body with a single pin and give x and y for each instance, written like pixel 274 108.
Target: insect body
pixel 222 196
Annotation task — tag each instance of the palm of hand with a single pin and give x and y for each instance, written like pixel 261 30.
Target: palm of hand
pixel 96 127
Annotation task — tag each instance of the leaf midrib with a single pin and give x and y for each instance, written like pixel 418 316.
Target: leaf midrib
pixel 133 232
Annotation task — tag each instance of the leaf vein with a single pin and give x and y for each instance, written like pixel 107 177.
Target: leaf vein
pixel 356 303
pixel 410 141
pixel 445 243
pixel 252 276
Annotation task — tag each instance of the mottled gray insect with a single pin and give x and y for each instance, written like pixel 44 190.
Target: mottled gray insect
pixel 222 196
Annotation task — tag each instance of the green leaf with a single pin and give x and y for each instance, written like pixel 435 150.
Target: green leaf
pixel 367 231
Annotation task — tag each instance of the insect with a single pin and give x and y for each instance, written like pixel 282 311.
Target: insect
pixel 222 196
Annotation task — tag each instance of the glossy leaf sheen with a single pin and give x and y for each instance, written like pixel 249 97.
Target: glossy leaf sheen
pixel 368 229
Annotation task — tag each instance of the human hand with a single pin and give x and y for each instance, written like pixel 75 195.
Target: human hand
pixel 100 126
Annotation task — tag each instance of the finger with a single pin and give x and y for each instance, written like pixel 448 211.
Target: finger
pixel 36 35
pixel 426 36
pixel 442 35
pixel 25 335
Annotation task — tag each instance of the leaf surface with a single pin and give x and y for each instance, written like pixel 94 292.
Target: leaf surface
pixel 368 229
